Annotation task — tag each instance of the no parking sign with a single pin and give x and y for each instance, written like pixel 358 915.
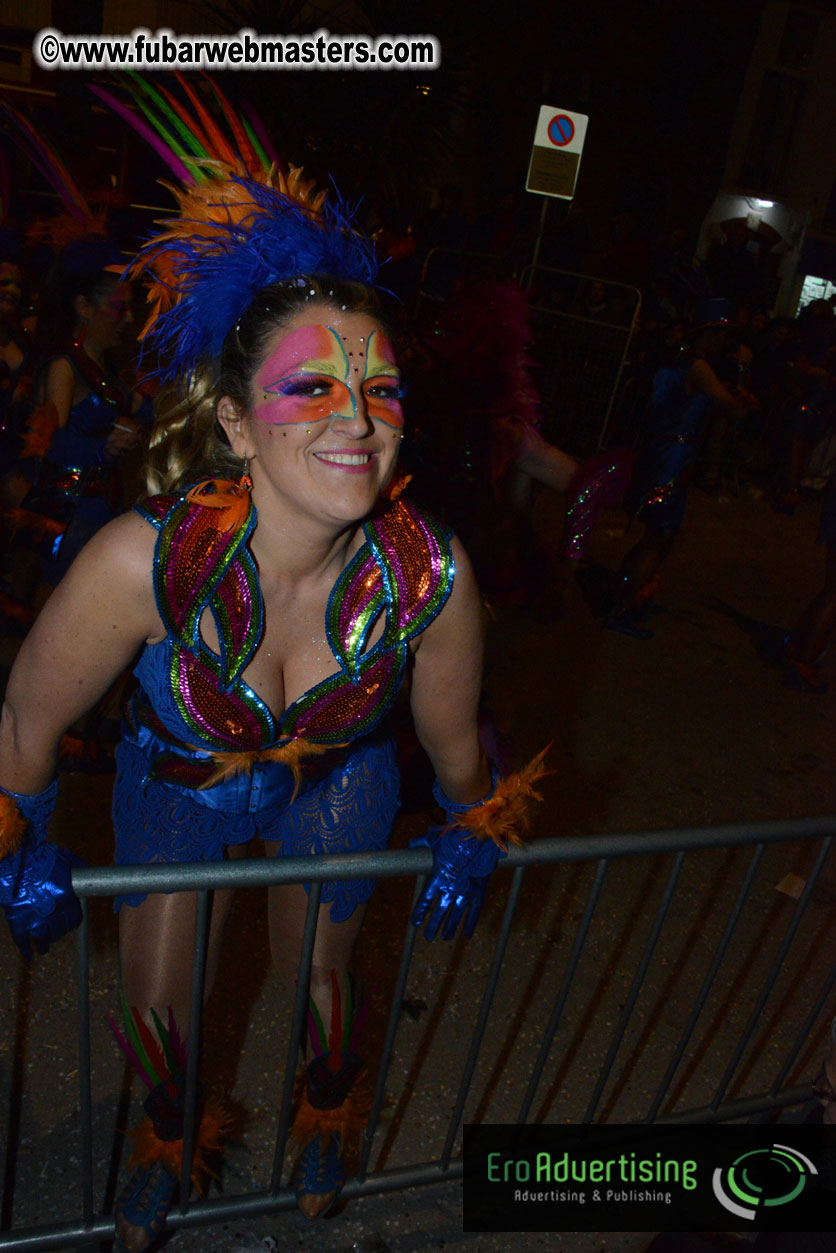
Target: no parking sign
pixel 556 153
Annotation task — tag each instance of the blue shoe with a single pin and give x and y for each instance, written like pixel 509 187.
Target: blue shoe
pixel 142 1208
pixel 319 1176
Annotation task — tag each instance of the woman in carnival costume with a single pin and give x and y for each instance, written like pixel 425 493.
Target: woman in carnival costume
pixel 489 432
pixel 276 599
pixel 84 419
pixel 683 396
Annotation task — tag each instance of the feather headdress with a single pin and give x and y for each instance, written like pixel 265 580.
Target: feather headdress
pixel 80 216
pixel 243 224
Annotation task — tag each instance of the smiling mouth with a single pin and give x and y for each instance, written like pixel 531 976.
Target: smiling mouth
pixel 345 458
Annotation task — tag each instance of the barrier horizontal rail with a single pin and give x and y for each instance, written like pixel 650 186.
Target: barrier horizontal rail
pixel 112 880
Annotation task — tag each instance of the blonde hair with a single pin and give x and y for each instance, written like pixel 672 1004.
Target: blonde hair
pixel 187 442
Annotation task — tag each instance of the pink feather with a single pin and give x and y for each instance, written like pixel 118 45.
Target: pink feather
pixel 144 131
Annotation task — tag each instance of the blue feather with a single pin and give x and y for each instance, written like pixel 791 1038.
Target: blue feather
pixel 218 275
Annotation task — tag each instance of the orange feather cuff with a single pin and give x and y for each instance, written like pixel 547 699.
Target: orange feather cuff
pixel 504 815
pixel 12 826
pixel 149 1148
pixel 348 1121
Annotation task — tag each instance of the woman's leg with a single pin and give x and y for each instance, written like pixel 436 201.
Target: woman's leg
pixel 332 947
pixel 544 462
pixel 156 941
pixel 642 564
pixel 156 948
pixel 352 809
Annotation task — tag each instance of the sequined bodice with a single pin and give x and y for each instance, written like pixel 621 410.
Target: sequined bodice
pixel 403 571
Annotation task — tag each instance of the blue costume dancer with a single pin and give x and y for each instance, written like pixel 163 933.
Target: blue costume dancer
pixel 682 397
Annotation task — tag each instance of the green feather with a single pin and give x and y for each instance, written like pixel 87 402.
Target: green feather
pixel 323 1039
pixel 159 123
pixel 175 1066
pixel 256 143
pixel 136 1041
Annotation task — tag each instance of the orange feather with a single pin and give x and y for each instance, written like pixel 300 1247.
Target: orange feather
pixel 12 826
pixel 290 754
pixel 148 1149
pixel 348 1121
pixel 231 498
pixel 216 141
pixel 247 152
pixel 505 814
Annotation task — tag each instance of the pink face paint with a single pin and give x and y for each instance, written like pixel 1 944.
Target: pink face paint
pixel 382 382
pixel 315 373
pixel 304 379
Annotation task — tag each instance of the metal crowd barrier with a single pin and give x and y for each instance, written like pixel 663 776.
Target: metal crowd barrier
pixel 599 854
pixel 583 350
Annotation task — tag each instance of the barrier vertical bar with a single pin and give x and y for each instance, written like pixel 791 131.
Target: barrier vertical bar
pixel 722 947
pixel 602 437
pixel 806 1028
pixel 300 1010
pixel 766 991
pixel 566 986
pixel 84 1080
pixel 482 1019
pixel 388 1044
pixel 201 936
pixel 638 980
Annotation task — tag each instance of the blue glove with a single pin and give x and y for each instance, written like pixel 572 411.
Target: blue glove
pixel 36 892
pixel 462 865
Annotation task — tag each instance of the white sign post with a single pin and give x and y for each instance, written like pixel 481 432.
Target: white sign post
pixel 556 153
pixel 554 162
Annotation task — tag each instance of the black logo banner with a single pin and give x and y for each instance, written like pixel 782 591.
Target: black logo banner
pixel 778 1177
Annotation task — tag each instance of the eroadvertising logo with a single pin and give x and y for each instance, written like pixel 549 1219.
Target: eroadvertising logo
pixel 762 1177
pixel 639 1178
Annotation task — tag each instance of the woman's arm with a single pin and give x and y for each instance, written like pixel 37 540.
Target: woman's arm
pixel 87 633
pixel 446 684
pixel 701 378
pixel 58 388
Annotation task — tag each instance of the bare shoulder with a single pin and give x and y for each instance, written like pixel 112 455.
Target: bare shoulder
pixel 125 546
pixel 59 370
pixel 114 573
pixel 465 588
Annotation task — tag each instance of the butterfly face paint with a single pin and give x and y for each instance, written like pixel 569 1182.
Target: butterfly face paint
pixel 317 373
pixel 382 386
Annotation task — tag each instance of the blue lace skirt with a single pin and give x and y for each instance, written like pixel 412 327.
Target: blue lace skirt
pixel 351 810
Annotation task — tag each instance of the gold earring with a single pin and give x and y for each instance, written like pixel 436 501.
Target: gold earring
pixel 308 431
